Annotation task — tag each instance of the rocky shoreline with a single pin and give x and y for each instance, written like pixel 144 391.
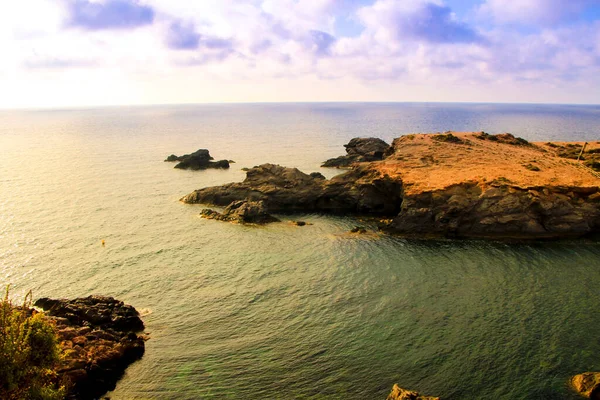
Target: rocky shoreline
pixel 456 185
pixel 99 338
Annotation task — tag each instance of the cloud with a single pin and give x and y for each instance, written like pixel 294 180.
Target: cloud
pixel 320 42
pixel 417 20
pixel 408 42
pixel 57 63
pixel 182 36
pixel 540 12
pixel 112 14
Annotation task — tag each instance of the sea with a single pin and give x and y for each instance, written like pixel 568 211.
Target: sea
pixel 282 311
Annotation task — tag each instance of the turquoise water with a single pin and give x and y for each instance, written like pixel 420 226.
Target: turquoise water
pixel 284 311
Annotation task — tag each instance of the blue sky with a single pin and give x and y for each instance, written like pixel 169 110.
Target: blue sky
pixel 59 53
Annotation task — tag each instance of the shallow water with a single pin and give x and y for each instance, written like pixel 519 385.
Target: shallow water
pixel 284 311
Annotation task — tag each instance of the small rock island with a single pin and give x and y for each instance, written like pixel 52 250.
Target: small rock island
pixel 457 185
pixel 200 159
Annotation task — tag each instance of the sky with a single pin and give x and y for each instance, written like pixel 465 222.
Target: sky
pixel 79 53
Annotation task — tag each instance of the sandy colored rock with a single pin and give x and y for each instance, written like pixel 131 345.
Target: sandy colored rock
pixel 402 394
pixel 587 384
pixel 426 164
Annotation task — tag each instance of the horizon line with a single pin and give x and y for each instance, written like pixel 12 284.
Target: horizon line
pixel 140 105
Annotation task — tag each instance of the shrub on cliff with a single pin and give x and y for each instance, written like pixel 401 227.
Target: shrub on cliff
pixel 28 353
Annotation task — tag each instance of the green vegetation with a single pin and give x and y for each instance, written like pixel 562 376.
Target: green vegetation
pixel 29 353
pixel 448 138
pixel 506 138
pixel 501 181
pixel 486 136
pixel 595 165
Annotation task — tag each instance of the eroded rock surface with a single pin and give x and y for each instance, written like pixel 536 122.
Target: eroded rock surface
pixel 359 150
pixel 492 210
pixel 587 384
pixel 98 337
pixel 361 191
pixel 242 211
pixel 402 394
pixel 200 159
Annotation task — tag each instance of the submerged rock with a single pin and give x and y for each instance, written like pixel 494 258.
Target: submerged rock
pixel 200 159
pixel 98 337
pixel 587 384
pixel 242 211
pixel 359 150
pixel 402 394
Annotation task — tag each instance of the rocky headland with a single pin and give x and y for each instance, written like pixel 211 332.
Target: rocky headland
pixel 98 337
pixel 200 159
pixel 462 185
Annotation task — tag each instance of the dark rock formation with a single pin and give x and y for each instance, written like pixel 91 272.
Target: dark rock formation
pixel 199 159
pixel 98 338
pixel 499 210
pixel 359 150
pixel 587 385
pixel 242 211
pixel 360 191
pixel 402 394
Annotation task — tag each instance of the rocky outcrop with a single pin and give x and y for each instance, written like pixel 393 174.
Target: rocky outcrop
pixel 402 394
pixel 198 160
pixel 587 385
pixel 456 185
pixel 242 211
pixel 359 150
pixel 360 191
pixel 98 338
pixel 499 210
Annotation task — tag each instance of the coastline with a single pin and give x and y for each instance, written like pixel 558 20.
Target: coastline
pixel 456 185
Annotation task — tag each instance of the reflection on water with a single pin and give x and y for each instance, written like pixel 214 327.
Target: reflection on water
pixel 286 311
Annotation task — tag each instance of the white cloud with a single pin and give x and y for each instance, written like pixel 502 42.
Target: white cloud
pixel 418 45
